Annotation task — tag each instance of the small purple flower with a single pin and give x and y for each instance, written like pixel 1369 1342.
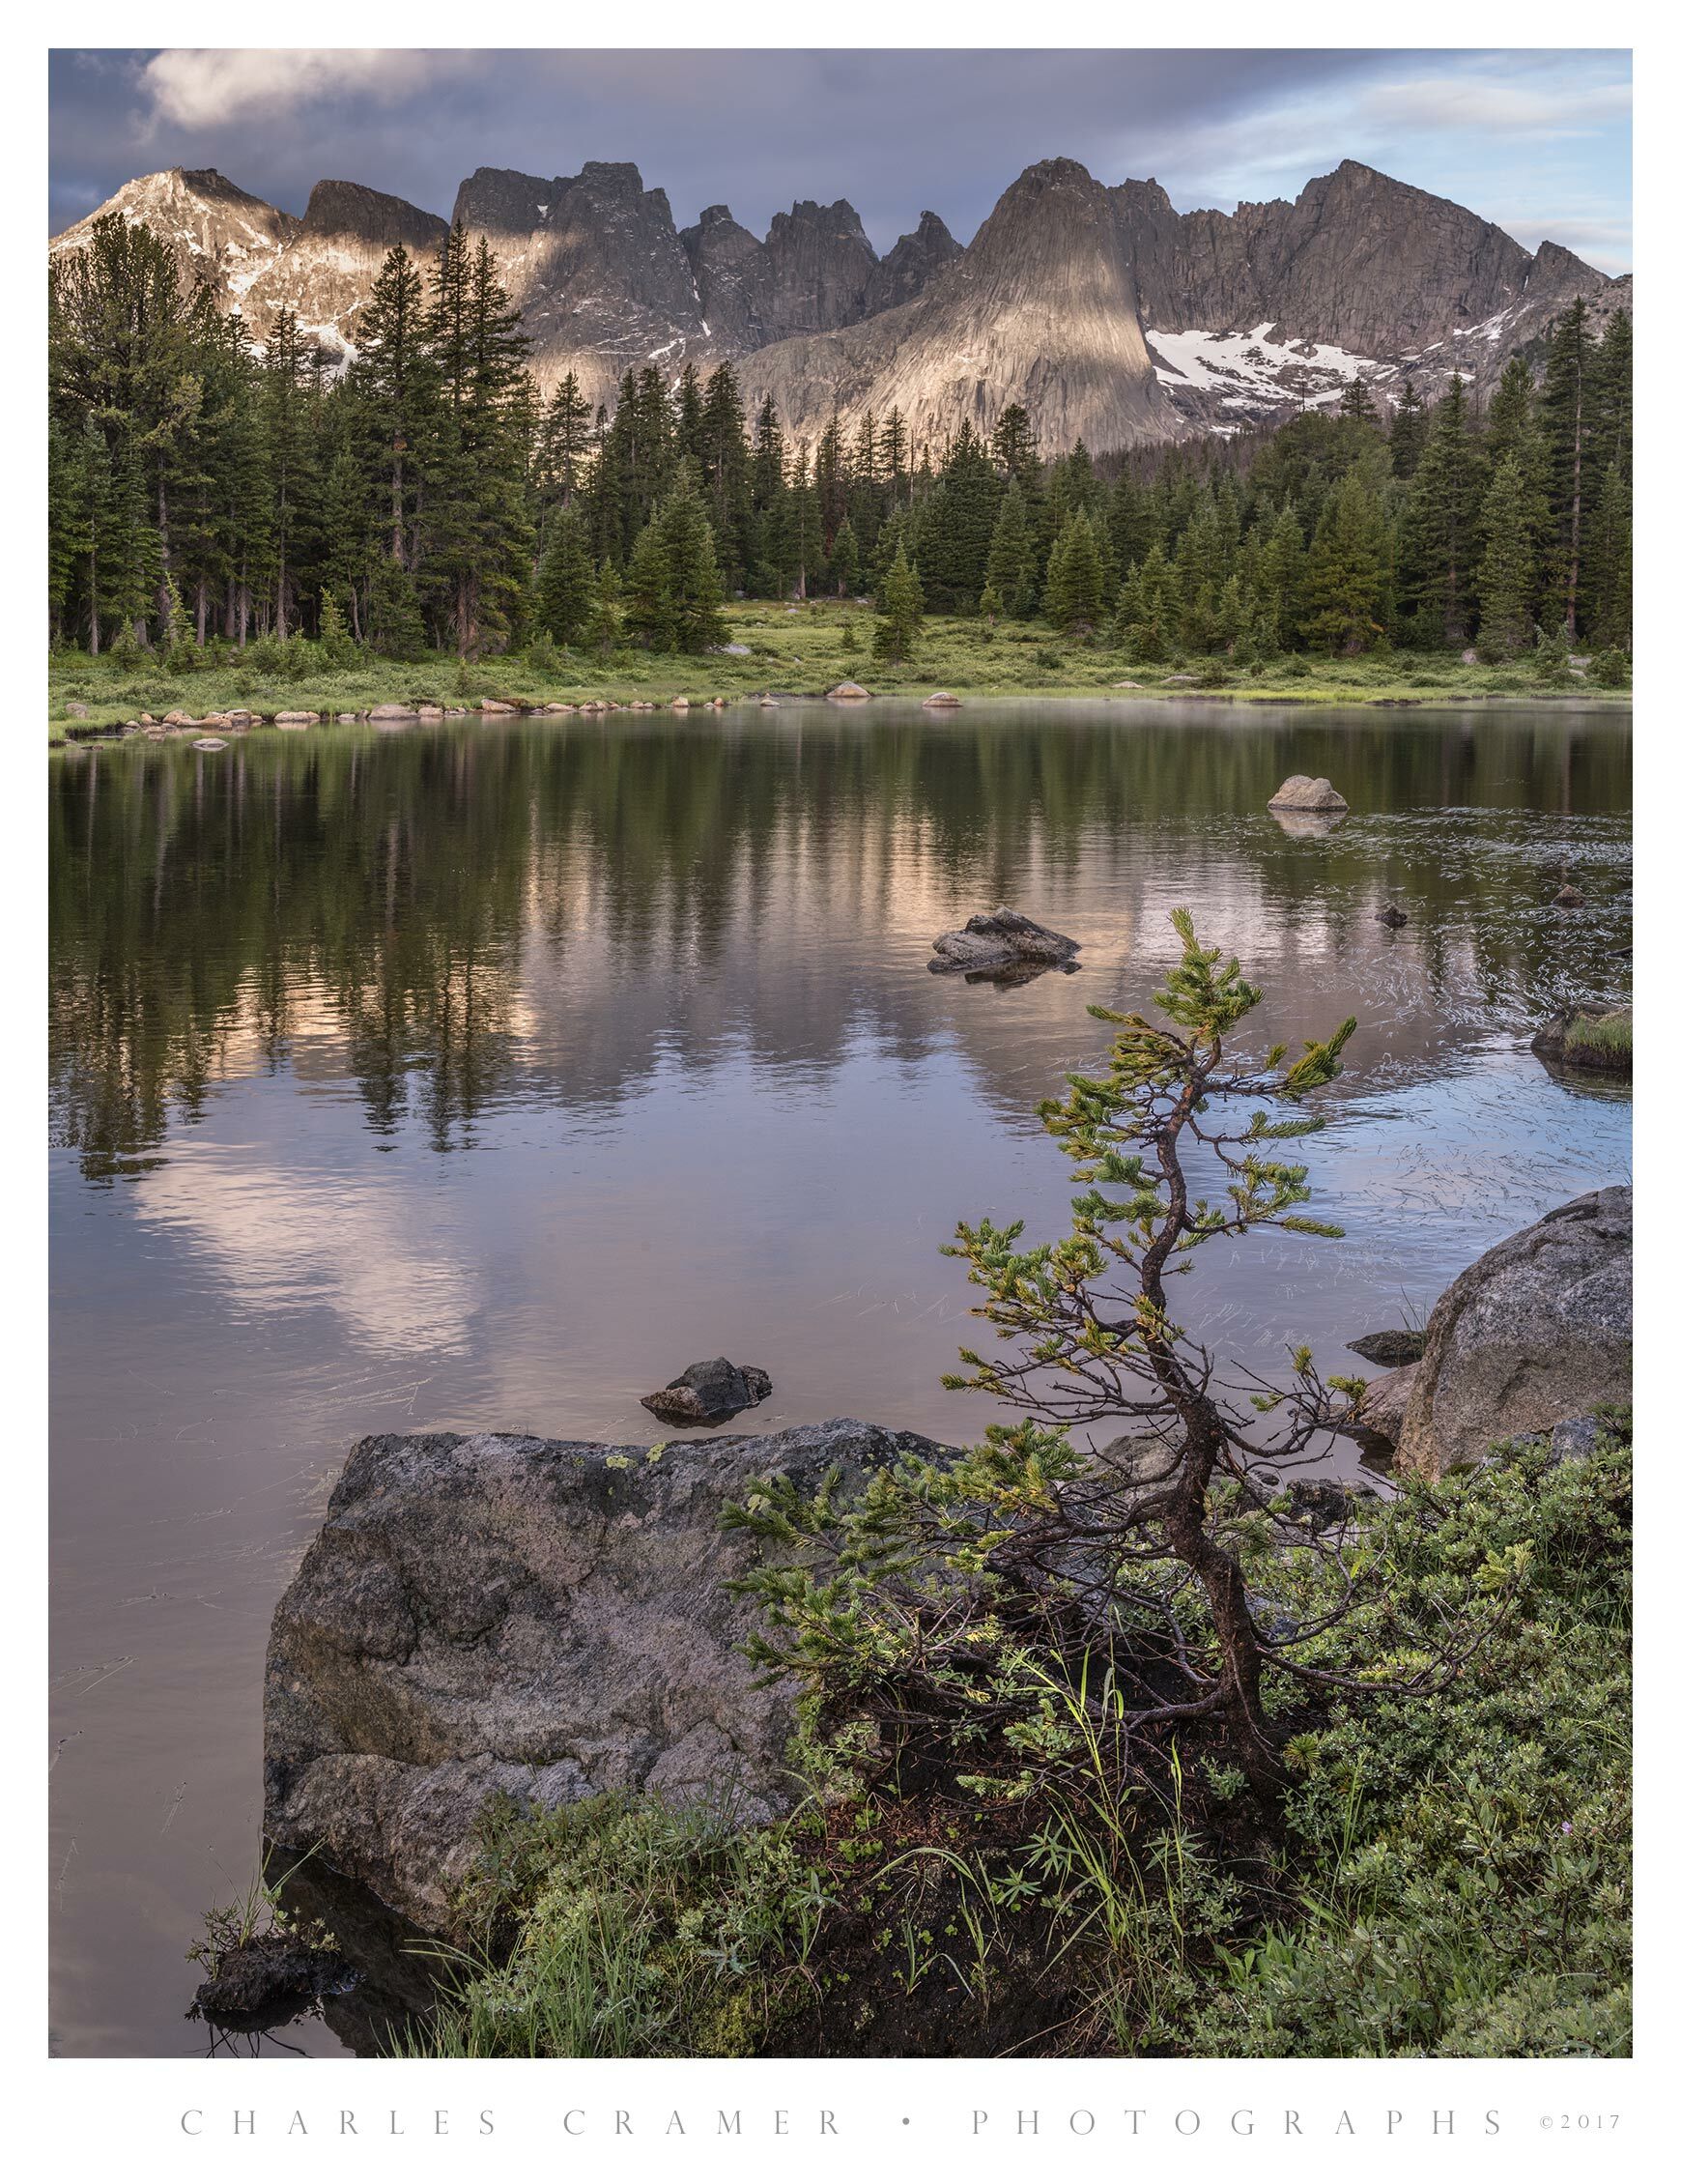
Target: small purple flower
pixel 1567 1829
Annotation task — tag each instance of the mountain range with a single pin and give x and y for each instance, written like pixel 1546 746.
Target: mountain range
pixel 1114 318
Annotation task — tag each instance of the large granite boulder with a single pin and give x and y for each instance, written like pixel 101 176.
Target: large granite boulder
pixel 492 1613
pixel 1537 1331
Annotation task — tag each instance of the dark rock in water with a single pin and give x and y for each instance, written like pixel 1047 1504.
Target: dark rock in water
pixel 708 1393
pixel 1569 898
pixel 1391 1346
pixel 492 1614
pixel 1004 941
pixel 1393 918
pixel 1539 1330
pixel 268 1979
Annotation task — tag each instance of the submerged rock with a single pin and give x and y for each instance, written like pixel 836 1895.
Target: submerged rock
pixel 708 1393
pixel 1001 941
pixel 495 1614
pixel 940 700
pixel 1539 1330
pixel 1390 1346
pixel 1303 792
pixel 1393 918
pixel 1303 825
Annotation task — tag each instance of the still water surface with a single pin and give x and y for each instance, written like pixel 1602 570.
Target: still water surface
pixel 485 1075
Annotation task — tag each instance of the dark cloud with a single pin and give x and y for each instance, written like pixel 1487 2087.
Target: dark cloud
pixel 892 131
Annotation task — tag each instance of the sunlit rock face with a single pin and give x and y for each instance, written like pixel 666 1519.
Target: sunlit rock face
pixel 1112 317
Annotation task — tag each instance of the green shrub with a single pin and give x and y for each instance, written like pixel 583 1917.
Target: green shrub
pixel 1462 1869
pixel 1605 1042
pixel 618 1926
pixel 1610 669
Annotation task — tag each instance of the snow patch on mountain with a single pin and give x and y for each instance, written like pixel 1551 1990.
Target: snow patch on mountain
pixel 1243 370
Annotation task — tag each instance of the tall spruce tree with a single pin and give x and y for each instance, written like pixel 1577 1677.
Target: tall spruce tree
pixel 1438 544
pixel 1345 570
pixel 1506 571
pixel 1073 577
pixel 1406 430
pixel 899 612
pixel 565 599
pixel 1011 559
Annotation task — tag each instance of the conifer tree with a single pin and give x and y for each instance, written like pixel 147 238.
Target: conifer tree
pixel 1506 572
pixel 843 559
pixel 1608 569
pixel 899 612
pixel 1131 529
pixel 1406 430
pixel 1073 577
pixel 1569 403
pixel 1283 575
pixel 1146 614
pixel 395 369
pixel 563 445
pixel 797 542
pixel 649 615
pixel 1355 402
pixel 896 459
pixel 1345 571
pixel 1011 557
pixel 696 588
pixel 565 602
pixel 1439 537
pixel 395 627
pixel 727 473
pixel 769 487
pixel 336 643
pixel 955 533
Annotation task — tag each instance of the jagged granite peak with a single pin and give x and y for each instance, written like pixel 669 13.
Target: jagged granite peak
pixel 1110 314
pixel 1279 301
pixel 811 272
pixel 914 261
pixel 217 231
pixel 501 201
pixel 728 264
pixel 818 261
pixel 351 211
pixel 594 265
pixel 1039 309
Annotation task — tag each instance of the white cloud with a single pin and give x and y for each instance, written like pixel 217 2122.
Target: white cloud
pixel 199 87
pixel 1507 109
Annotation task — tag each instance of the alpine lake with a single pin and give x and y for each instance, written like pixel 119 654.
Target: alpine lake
pixel 484 1074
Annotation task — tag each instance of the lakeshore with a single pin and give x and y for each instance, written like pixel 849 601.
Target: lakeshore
pixel 791 653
